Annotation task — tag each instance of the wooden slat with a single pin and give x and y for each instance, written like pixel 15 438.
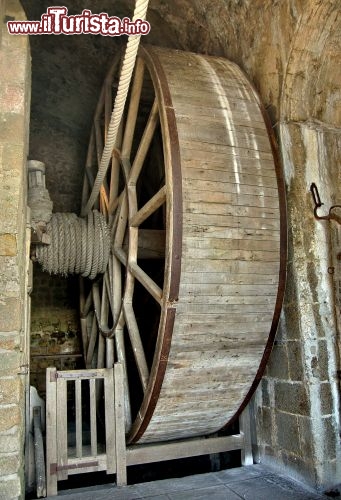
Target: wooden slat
pixel 215 158
pixel 223 151
pixel 110 429
pixel 201 277
pixel 230 221
pixel 246 255
pixel 51 430
pixel 235 211
pixel 121 358
pixel 227 89
pixel 205 170
pixel 231 187
pixel 62 429
pixel 121 460
pixel 202 243
pixel 212 325
pixel 234 233
pixel 231 266
pixel 222 305
pixel 93 417
pixel 79 423
pixel 239 138
pixel 225 291
pixel 234 198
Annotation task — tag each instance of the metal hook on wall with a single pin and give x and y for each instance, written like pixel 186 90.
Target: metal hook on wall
pixel 318 204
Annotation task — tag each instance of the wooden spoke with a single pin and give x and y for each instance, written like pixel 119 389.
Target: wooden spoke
pixel 104 197
pixel 114 175
pixel 92 342
pixel 146 281
pixel 149 208
pixel 107 107
pixel 88 164
pixel 87 304
pixel 145 143
pixel 101 352
pixel 90 177
pixel 136 343
pixel 121 221
pixel 114 203
pixel 99 141
pixel 121 255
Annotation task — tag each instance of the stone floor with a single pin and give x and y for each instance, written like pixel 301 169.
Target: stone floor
pixel 255 482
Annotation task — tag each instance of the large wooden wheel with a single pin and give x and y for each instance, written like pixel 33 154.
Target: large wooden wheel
pixel 191 297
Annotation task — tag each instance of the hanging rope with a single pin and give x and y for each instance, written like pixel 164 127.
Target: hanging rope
pixel 140 12
pixel 77 245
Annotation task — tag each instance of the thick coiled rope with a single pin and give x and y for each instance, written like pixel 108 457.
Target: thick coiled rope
pixel 78 246
pixel 128 64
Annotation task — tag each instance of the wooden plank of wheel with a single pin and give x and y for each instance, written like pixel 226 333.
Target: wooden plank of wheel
pixel 193 322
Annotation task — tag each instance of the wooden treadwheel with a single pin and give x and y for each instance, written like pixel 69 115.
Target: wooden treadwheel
pixel 191 297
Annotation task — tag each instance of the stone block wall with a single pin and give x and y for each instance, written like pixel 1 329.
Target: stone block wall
pixel 14 124
pixel 299 398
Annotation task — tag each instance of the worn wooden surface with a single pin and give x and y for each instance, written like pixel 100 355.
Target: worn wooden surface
pixel 230 262
pixel 195 154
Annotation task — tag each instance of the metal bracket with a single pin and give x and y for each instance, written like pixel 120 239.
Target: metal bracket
pixel 318 204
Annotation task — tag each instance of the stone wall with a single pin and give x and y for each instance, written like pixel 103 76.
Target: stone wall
pixel 14 122
pixel 299 421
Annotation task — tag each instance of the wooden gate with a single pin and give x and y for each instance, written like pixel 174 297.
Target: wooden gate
pixel 63 458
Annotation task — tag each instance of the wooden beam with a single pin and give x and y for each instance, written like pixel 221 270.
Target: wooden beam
pixel 144 454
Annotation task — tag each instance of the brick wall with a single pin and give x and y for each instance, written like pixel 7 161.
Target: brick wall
pixel 14 123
